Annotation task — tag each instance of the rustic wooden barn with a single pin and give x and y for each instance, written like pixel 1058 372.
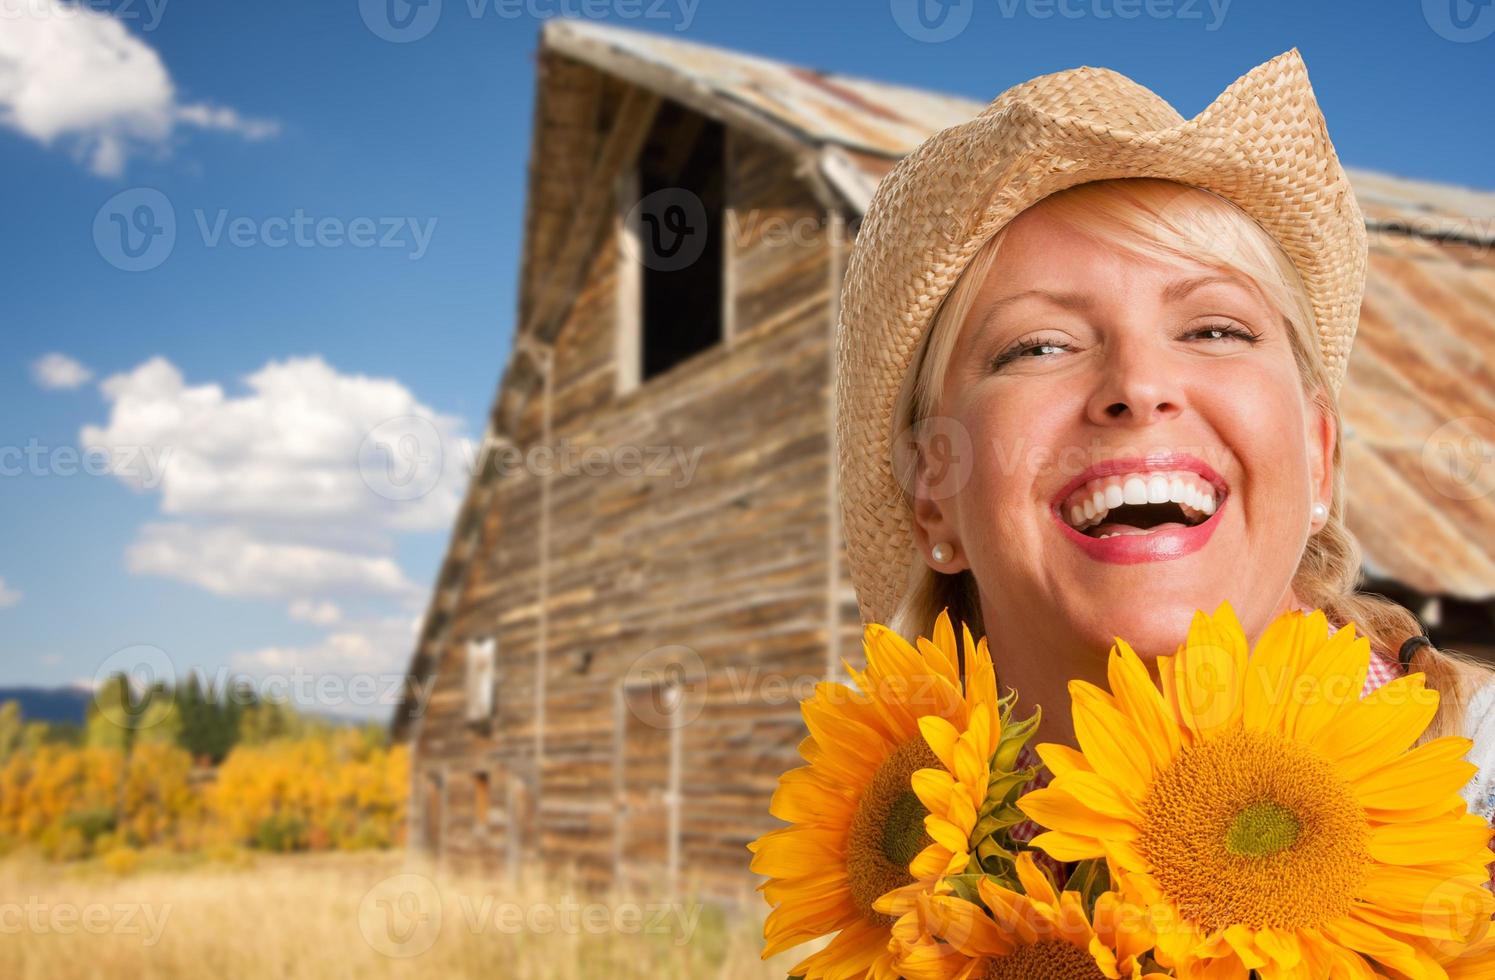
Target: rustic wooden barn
pixel 608 673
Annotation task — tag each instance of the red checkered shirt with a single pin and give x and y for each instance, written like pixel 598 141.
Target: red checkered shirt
pixel 1381 671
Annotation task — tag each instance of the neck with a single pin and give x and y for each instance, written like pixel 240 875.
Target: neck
pixel 1039 669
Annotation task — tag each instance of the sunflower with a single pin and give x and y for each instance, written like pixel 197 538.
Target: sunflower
pixel 857 824
pixel 1270 817
pixel 1025 935
pixel 971 799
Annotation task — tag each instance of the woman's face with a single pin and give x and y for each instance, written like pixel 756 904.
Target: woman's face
pixel 1141 446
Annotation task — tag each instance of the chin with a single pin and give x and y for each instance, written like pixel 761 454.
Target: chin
pixel 1154 627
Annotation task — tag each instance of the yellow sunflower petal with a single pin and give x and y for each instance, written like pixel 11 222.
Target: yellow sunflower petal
pixel 1059 810
pixel 1375 731
pixel 934 787
pixel 1443 841
pixel 1068 847
pixel 1404 783
pixel 964 926
pixel 1209 672
pixel 1109 739
pixel 1139 698
pixel 1382 948
pixel 1061 759
pixel 1100 794
pixel 941 737
pixel 1326 684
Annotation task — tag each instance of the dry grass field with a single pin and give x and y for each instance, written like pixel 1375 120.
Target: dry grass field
pixel 360 915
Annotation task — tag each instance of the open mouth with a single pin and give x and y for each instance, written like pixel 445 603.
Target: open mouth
pixel 1140 503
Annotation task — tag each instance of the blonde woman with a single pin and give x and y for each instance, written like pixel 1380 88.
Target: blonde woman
pixel 1087 383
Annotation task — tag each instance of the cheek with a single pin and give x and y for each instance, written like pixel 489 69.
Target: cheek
pixel 1013 445
pixel 1263 422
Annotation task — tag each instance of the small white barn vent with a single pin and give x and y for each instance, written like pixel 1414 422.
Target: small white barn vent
pixel 480 678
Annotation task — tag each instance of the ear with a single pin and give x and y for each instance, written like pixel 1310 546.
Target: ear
pixel 934 522
pixel 1321 440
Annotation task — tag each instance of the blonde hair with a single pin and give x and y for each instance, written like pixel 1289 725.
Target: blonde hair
pixel 1161 219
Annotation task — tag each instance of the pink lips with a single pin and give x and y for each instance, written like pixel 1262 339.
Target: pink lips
pixel 1131 549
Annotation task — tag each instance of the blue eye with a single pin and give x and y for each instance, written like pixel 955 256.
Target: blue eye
pixel 1028 347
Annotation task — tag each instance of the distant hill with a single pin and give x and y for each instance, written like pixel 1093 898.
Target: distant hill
pixel 54 704
pixel 70 704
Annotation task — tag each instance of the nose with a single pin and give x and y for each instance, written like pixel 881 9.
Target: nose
pixel 1138 384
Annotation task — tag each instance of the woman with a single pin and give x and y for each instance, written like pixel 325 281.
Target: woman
pixel 1086 385
pixel 1088 365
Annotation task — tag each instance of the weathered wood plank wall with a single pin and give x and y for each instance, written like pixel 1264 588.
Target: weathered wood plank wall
pixel 730 564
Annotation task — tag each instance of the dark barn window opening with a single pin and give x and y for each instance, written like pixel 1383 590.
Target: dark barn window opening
pixel 681 237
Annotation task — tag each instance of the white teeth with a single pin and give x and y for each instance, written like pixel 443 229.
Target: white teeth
pixel 1183 488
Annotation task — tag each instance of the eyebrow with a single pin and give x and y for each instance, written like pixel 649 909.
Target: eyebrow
pixel 1172 293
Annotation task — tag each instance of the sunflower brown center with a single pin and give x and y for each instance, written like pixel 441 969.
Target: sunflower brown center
pixel 1052 959
pixel 1256 829
pixel 887 831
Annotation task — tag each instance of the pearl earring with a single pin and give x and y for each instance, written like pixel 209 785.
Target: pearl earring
pixel 942 552
pixel 1320 512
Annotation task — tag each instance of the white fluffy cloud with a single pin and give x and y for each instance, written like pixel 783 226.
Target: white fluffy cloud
pixel 303 445
pixel 283 491
pixel 73 75
pixel 322 613
pixel 376 646
pixel 8 596
pixel 58 372
pixel 229 561
pixel 292 489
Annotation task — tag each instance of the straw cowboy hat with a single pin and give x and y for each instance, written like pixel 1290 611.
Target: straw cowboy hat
pixel 1261 144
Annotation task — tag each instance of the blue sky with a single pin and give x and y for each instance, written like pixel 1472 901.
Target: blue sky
pixel 255 373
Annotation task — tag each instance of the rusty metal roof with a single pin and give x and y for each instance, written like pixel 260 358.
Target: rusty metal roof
pixel 1419 413
pixel 815 106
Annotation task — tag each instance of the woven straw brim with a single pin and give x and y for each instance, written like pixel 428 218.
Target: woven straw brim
pixel 1261 144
